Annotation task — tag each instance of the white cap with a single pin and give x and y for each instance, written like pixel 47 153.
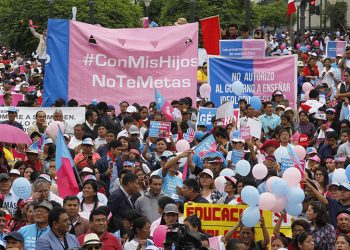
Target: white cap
pixel 15 171
pixel 87 170
pixel 131 109
pixel 208 172
pixel 88 141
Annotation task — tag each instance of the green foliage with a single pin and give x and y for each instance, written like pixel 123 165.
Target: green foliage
pixel 274 14
pixel 339 9
pixel 15 15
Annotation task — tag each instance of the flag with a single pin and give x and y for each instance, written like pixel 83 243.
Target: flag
pixel 164 106
pixel 66 182
pixel 211 34
pixel 291 7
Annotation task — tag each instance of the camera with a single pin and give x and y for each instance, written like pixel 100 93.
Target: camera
pixel 181 237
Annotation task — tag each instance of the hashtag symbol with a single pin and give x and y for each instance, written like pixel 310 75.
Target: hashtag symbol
pixel 88 59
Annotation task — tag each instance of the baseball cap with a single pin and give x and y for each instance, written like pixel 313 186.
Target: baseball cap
pixel 133 130
pixel 15 235
pixel 345 185
pixel 315 158
pixel 300 64
pixel 311 150
pixel 339 55
pixel 171 208
pixel 12 109
pixel 44 204
pixel 48 141
pixel 4 176
pixel 217 160
pixel 320 116
pixel 89 177
pixel 303 140
pixel 277 92
pixel 91 239
pixel 88 141
pixel 270 158
pixel 231 179
pixel 339 159
pixel 129 163
pixel 334 183
pixel 330 110
pixel 167 154
pixel 87 170
pixel 45 177
pixel 15 171
pixel 281 107
pixel 131 109
pixel 208 172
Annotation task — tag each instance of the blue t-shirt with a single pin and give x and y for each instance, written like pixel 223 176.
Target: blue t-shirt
pixel 335 207
pixel 170 183
pixel 30 234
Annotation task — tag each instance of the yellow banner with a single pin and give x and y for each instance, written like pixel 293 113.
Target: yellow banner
pixel 217 219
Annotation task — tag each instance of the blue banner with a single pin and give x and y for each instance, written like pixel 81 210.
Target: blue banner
pixel 205 115
pixel 223 75
pixel 56 68
pixel 207 145
pixel 333 48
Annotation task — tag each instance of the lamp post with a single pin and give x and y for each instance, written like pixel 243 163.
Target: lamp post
pixel 247 12
pixel 147 4
pixel 331 23
pixel 51 3
pixel 193 10
pixel 302 20
pixel 91 5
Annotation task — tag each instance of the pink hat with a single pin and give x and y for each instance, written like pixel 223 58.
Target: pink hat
pixel 315 158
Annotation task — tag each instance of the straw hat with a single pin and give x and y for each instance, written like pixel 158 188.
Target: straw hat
pixel 181 21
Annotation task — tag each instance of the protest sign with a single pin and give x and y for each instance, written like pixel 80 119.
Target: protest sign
pixel 255 127
pixel 247 48
pixel 225 110
pixel 333 48
pixel 159 129
pixel 189 135
pixel 259 77
pixel 286 163
pixel 236 156
pixel 26 115
pixel 245 133
pixel 205 115
pixel 16 97
pixel 207 145
pixel 202 56
pixel 119 64
pixel 217 219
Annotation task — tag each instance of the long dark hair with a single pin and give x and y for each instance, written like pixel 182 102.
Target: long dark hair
pixel 94 187
pixel 300 238
pixel 138 224
pixel 325 176
pixel 322 217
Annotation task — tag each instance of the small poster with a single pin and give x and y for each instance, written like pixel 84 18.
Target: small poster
pixel 159 129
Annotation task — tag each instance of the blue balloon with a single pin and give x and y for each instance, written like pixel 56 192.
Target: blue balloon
pixel 250 195
pixel 255 102
pixel 348 171
pixel 237 87
pixel 294 209
pixel 340 175
pixel 303 49
pixel 243 167
pixel 295 195
pixel 279 186
pixel 251 216
pixel 22 188
pixel 227 172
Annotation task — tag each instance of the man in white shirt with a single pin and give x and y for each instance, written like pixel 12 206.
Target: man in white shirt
pixel 102 134
pixel 313 102
pixel 77 139
pixel 10 199
pixel 127 121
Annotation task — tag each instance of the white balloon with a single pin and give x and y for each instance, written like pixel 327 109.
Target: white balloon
pixel 205 90
pixel 281 152
pixel 237 88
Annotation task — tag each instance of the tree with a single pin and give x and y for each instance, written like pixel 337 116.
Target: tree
pixel 274 14
pixel 15 15
pixel 338 10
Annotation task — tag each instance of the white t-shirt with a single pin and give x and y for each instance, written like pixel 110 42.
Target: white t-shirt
pixel 10 202
pixel 327 77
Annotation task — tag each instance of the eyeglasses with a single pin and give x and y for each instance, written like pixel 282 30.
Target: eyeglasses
pixel 346 75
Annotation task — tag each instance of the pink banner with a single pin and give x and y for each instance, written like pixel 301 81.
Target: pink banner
pixel 15 99
pixel 127 64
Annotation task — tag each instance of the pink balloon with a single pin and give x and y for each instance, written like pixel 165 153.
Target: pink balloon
pixel 283 46
pixel 219 183
pixel 268 182
pixel 306 96
pixel 292 176
pixel 298 45
pixel 316 43
pixel 280 203
pixel 267 201
pixel 308 47
pixel 182 145
pixel 52 129
pixel 159 235
pixel 307 86
pixel 300 152
pixel 259 171
pixel 205 90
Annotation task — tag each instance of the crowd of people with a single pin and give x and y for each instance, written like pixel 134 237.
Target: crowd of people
pixel 131 183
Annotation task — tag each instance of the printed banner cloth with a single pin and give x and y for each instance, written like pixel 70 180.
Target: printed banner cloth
pixel 88 62
pixel 260 77
pixel 333 48
pixel 248 48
